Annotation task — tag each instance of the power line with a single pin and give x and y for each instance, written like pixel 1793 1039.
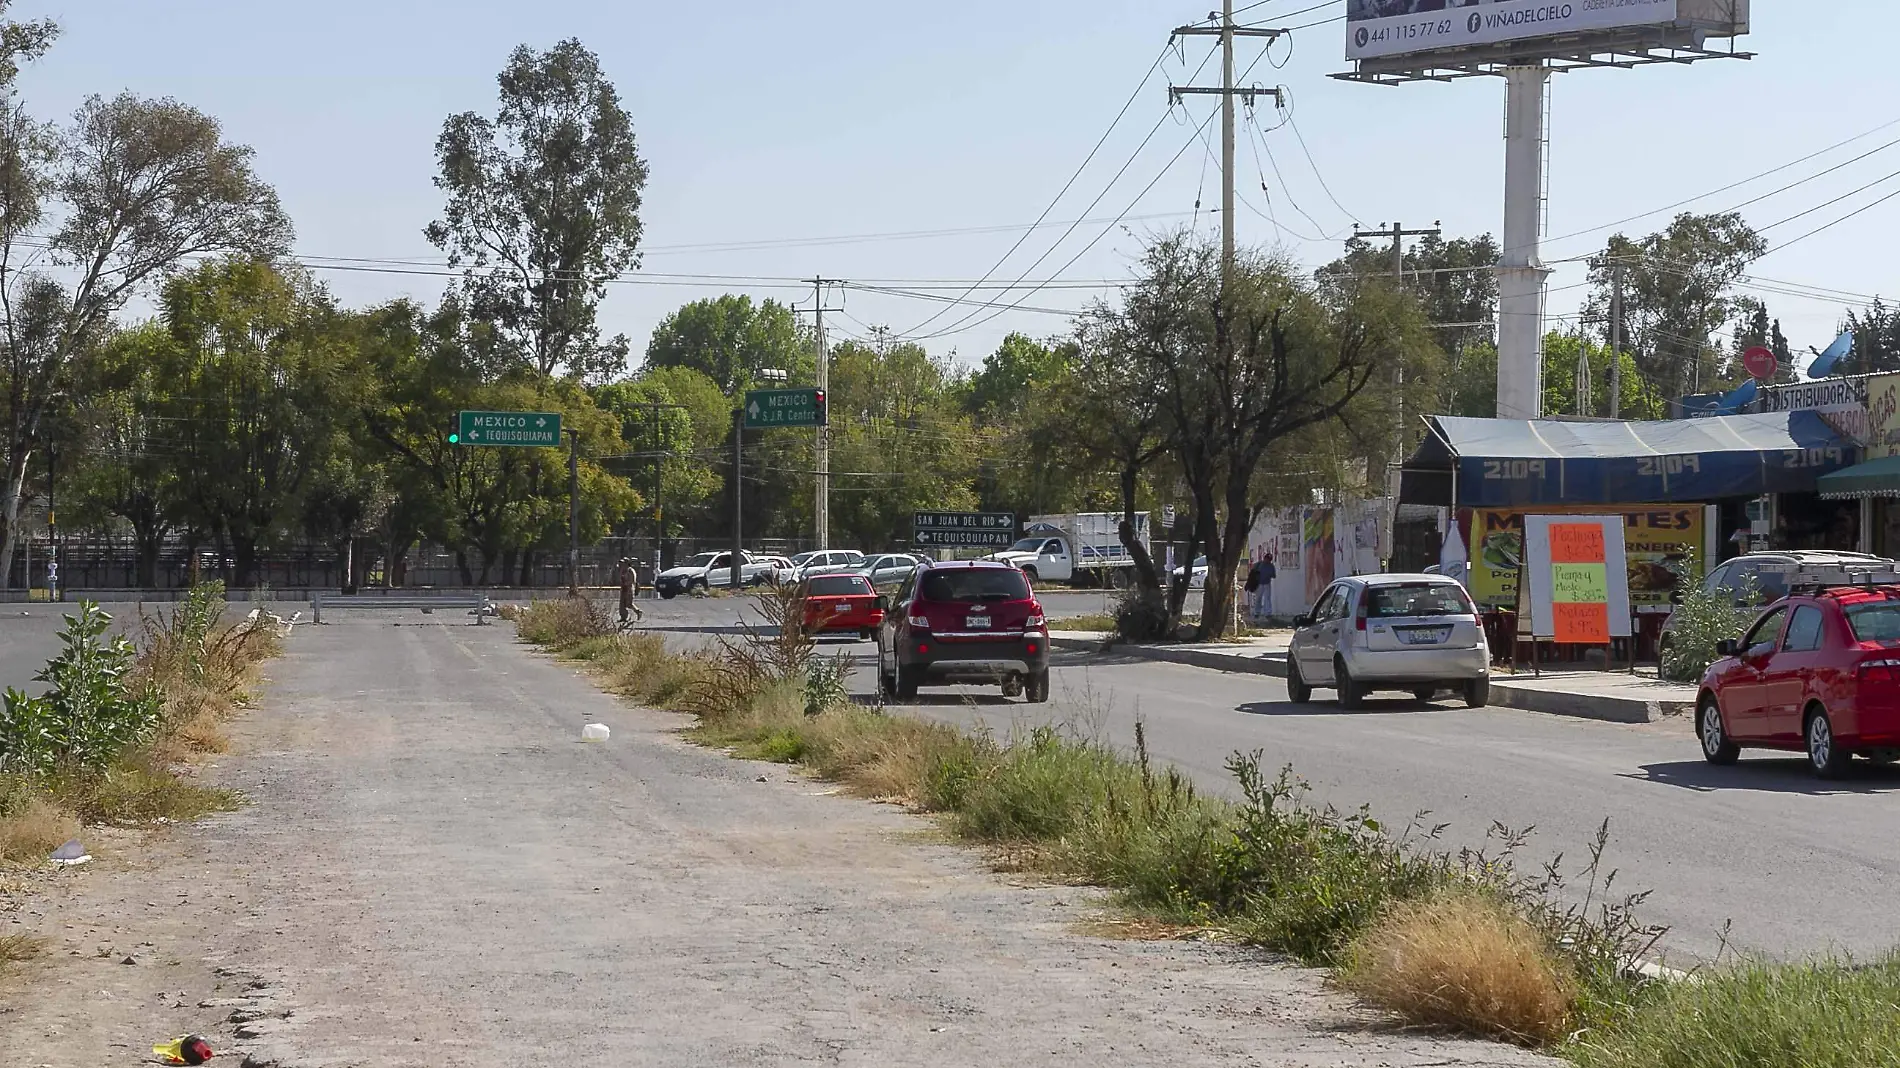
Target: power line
pixel 1753 178
pixel 1831 203
pixel 1836 222
pixel 1073 178
pixel 1112 182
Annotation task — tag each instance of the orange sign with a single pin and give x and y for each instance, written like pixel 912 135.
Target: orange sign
pixel 1580 584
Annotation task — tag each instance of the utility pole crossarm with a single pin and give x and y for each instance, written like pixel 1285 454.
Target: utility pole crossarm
pixel 1237 31
pixel 1177 92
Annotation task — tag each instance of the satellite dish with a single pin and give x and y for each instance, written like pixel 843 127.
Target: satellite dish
pixel 1824 361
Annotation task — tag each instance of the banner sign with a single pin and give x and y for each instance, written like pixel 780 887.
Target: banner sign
pixel 1398 27
pixel 1663 548
pixel 1579 578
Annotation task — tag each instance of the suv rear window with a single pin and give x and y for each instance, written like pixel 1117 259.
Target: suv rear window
pixel 1875 622
pixel 975 584
pixel 1417 599
pixel 837 586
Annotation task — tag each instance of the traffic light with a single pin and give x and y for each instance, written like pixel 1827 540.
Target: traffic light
pixel 455 439
pixel 824 415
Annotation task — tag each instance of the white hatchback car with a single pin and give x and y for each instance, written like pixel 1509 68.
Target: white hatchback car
pixel 1415 633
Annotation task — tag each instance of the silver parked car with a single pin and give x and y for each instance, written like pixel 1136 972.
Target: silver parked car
pixel 1416 633
pixel 1763 578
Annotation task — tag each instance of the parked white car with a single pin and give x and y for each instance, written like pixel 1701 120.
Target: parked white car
pixel 1196 575
pixel 712 571
pixel 892 567
pixel 820 562
pixel 1416 633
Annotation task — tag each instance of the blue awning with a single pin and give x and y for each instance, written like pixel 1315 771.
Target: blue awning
pixel 1503 463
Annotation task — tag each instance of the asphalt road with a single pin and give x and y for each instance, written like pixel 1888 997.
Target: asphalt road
pixel 1798 865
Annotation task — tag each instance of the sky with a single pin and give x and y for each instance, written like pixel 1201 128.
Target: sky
pixel 781 128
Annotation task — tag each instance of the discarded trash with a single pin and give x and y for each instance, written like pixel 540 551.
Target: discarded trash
pixel 189 1049
pixel 595 732
pixel 71 855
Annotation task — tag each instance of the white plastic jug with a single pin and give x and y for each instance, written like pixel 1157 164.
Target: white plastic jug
pixel 595 732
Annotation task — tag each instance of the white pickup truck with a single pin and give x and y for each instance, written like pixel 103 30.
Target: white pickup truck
pixel 1083 549
pixel 712 571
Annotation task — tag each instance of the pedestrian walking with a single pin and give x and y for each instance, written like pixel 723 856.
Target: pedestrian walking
pixel 628 576
pixel 1260 588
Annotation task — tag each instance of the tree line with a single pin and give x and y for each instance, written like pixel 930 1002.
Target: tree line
pixel 251 411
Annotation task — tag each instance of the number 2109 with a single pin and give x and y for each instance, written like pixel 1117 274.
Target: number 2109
pixel 1513 470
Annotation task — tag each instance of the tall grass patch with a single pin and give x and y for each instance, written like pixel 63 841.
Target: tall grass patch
pixel 1824 1014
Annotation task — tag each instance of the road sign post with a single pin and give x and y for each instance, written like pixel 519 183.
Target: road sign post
pixel 963 530
pixel 768 409
pixel 528 430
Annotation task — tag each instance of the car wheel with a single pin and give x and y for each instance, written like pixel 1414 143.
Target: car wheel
pixel 1424 694
pixel 1716 746
pixel 1477 693
pixel 1030 572
pixel 887 682
pixel 668 594
pixel 1013 686
pixel 909 680
pixel 1039 687
pixel 1825 755
pixel 1297 691
pixel 1883 756
pixel 1352 695
pixel 864 635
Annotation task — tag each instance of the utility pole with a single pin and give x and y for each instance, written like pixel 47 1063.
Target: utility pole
pixel 52 526
pixel 738 496
pixel 823 509
pixel 1616 341
pixel 1398 233
pixel 573 512
pixel 1227 32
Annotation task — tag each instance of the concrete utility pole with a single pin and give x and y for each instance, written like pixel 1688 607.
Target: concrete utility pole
pixel 573 512
pixel 823 511
pixel 1616 341
pixel 1227 32
pixel 738 496
pixel 1398 233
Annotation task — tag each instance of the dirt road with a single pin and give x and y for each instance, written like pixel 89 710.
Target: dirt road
pixel 436 871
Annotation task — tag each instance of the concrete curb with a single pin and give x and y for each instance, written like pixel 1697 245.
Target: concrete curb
pixel 1607 708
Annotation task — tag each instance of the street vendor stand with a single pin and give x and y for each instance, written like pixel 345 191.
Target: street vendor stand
pixel 1663 477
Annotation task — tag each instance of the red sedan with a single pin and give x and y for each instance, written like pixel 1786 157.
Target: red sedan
pixel 836 603
pixel 1818 673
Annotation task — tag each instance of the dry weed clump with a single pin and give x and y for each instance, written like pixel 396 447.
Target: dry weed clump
pixel 1464 960
pixel 31 826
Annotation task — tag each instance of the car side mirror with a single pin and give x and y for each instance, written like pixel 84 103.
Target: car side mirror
pixel 883 603
pixel 1728 647
pixel 1304 619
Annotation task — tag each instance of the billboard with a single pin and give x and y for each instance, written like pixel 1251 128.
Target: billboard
pixel 1382 28
pixel 1664 546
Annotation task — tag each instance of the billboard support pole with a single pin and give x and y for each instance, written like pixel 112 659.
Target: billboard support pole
pixel 1521 272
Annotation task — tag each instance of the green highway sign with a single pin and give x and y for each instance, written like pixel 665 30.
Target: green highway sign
pixel 767 408
pixel 524 429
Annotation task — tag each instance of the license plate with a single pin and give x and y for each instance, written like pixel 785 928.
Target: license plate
pixel 840 607
pixel 977 622
pixel 1425 635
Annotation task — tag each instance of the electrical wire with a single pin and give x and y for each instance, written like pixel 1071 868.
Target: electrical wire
pixel 1070 184
pixel 913 334
pixel 1753 178
pixel 1829 203
pixel 1287 95
pixel 1828 226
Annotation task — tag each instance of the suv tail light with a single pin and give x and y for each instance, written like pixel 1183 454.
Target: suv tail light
pixel 1882 671
pixel 920 622
pixel 1036 621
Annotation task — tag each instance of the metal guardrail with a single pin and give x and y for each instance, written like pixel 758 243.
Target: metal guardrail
pixel 482 605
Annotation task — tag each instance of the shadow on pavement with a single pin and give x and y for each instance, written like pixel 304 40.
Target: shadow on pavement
pixel 1328 707
pixel 1779 775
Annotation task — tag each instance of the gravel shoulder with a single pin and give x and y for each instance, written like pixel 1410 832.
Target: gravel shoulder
pixel 435 871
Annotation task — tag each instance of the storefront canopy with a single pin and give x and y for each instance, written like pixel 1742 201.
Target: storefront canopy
pixel 1499 463
pixel 1875 478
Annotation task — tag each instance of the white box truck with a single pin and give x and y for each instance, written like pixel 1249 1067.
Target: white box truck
pixel 1082 550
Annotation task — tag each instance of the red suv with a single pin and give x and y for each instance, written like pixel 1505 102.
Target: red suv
pixel 1818 673
pixel 973 621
